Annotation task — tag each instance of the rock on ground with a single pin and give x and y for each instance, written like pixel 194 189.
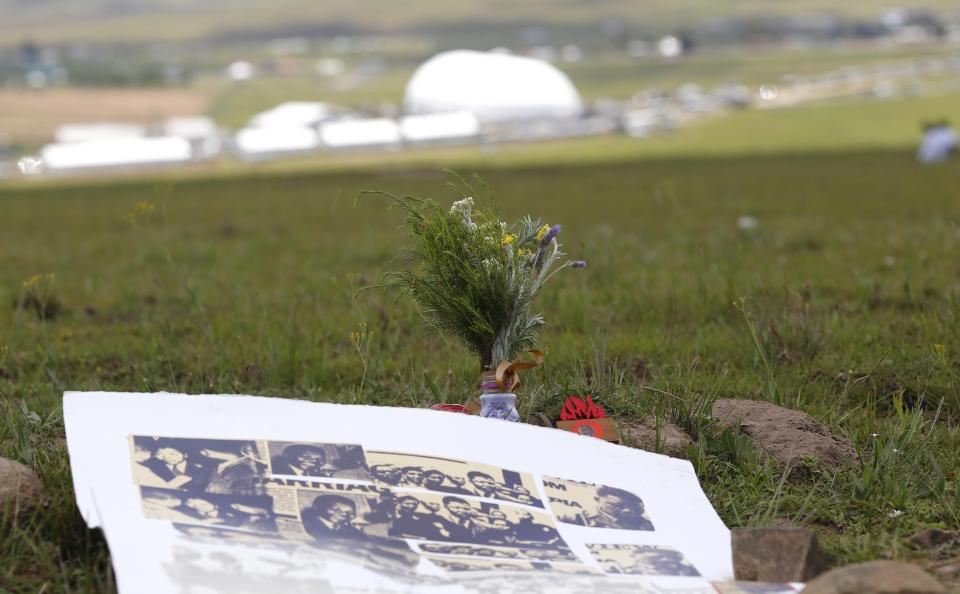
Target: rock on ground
pixel 539 419
pixel 20 488
pixel 643 435
pixel 777 554
pixel 934 538
pixel 784 434
pixel 876 577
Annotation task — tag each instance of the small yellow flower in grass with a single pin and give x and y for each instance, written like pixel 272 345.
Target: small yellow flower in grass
pixel 32 282
pixel 543 231
pixel 144 207
pixel 507 239
pixel 940 352
pixel 37 280
pixel 141 211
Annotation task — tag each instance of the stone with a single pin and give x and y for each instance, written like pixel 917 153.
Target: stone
pixel 540 420
pixel 948 570
pixel 777 554
pixel 933 538
pixel 786 435
pixel 876 577
pixel 643 435
pixel 20 488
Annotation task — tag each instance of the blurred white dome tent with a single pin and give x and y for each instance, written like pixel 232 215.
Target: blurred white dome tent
pixel 494 87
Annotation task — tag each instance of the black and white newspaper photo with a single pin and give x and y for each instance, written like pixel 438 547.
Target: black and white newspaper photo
pixel 290 496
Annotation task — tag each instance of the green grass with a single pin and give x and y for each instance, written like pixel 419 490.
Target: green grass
pixel 100 20
pixel 247 283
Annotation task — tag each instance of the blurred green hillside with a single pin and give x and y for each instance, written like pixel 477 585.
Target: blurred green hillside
pixel 145 20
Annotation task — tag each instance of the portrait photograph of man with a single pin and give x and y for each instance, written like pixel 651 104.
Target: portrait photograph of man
pixel 226 467
pixel 318 460
pixel 596 506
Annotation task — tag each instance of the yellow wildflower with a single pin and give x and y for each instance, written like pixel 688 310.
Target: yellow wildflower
pixel 508 239
pixel 36 280
pixel 543 231
pixel 141 212
pixel 32 282
pixel 144 207
pixel 940 352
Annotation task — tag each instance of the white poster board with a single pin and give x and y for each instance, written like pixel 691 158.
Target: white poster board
pixel 242 494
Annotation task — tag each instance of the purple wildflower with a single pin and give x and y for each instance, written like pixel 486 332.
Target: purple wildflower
pixel 544 242
pixel 578 264
pixel 549 236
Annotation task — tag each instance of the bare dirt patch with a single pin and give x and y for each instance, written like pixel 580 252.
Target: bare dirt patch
pixel 30 117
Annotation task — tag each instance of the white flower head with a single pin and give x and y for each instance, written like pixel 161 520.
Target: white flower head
pixel 895 514
pixel 747 223
pixel 464 208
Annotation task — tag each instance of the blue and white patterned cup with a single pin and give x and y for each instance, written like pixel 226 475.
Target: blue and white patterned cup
pixel 499 406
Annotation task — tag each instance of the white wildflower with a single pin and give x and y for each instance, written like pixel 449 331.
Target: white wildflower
pixel 464 208
pixel 747 223
pixel 895 514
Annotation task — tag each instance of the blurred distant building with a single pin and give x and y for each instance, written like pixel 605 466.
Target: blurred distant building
pixel 670 46
pixel 262 143
pixel 200 131
pixel 240 71
pixel 494 87
pixel 40 66
pixel 296 113
pixel 89 132
pixel 115 153
pixel 361 133
pixel 291 127
pixel 457 126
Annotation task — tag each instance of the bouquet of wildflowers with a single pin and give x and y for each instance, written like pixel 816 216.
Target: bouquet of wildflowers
pixel 477 276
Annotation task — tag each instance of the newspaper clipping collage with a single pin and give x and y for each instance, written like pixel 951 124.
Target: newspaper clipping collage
pixel 262 515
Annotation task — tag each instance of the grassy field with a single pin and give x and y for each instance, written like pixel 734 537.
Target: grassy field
pixel 102 20
pixel 247 283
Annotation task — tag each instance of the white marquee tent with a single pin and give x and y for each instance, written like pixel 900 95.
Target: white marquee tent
pixel 492 86
pixel 439 127
pixel 121 152
pixel 263 142
pixel 190 127
pixel 87 132
pixel 360 132
pixel 294 113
